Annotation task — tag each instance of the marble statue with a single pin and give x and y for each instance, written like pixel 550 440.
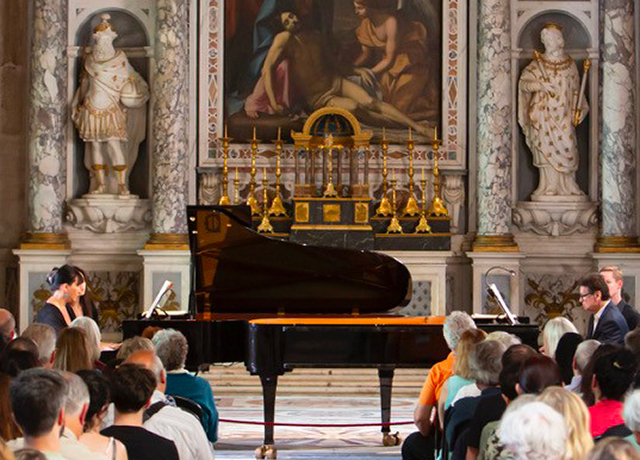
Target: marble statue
pixel 550 105
pixel 108 110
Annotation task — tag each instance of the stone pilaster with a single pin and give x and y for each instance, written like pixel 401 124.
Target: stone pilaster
pixel 494 128
pixel 618 158
pixel 170 126
pixel 47 119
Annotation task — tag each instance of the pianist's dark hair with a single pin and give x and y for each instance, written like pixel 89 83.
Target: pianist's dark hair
pixel 67 274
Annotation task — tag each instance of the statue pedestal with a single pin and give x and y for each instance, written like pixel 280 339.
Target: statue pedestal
pixel 109 213
pixel 556 216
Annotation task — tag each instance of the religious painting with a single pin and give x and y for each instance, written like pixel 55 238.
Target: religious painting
pixel 380 59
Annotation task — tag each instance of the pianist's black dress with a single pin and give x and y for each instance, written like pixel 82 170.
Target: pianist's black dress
pixel 50 314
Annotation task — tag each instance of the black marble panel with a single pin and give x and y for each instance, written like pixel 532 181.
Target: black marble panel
pixel 412 242
pixel 334 238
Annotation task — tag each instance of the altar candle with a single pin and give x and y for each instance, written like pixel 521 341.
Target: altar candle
pixel 236 173
pixel 278 132
pixel 225 130
pixel 423 173
pixel 264 173
pixel 393 172
pixel 384 134
pixel 254 132
pixel 410 136
pixel 435 133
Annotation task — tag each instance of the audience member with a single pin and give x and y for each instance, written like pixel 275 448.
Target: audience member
pixel 632 342
pixel 7 325
pixel 29 454
pixel 163 418
pixel 504 338
pixel 576 419
pixel 22 344
pixel 65 283
pixel 565 353
pixel 583 355
pixel 132 345
pixel 38 397
pixel 44 337
pixel 420 445
pixel 99 399
pixel 586 384
pixel 612 376
pixel 132 387
pixel 150 331
pixel 172 348
pixel 537 373
pixel 613 277
pixel 553 332
pixel 534 431
pixel 606 323
pixel 631 416
pixel 9 429
pixel 14 361
pixel 92 332
pixel 72 351
pixel 613 449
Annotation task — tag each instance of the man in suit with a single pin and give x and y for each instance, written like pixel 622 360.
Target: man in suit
pixel 606 323
pixel 613 277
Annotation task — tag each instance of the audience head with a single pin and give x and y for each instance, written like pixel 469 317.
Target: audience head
pixel 7 325
pixel 632 342
pixel 631 413
pixel 29 454
pixel 92 332
pixel 149 360
pixel 454 326
pixel 172 348
pixel 75 409
pixel 593 291
pixel 534 431
pixel 584 352
pixel 467 342
pixel 14 361
pixel 537 373
pixel 99 398
pixel 132 345
pixel 553 332
pixel 65 282
pixel 504 338
pixel 613 448
pixel 23 344
pixel 613 373
pixel 38 397
pixel 72 351
pixel 150 331
pixel 576 419
pixel 512 361
pixel 613 277
pixel 132 387
pixel 586 387
pixel 485 362
pixel 45 338
pixel 565 353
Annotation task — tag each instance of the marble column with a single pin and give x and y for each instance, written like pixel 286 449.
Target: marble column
pixel 618 158
pixel 494 128
pixel 170 126
pixel 47 119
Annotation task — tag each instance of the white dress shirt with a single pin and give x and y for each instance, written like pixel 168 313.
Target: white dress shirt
pixel 596 316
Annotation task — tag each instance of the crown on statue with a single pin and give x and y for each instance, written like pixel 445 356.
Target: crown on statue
pixel 105 24
pixel 551 25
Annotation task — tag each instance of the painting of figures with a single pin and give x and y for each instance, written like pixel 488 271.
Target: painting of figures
pixel 380 59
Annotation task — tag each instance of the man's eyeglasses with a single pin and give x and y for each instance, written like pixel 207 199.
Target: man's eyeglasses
pixel 584 296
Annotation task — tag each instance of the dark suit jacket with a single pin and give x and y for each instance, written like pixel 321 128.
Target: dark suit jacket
pixel 611 327
pixel 631 316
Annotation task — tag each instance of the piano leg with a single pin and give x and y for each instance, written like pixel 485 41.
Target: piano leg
pixel 386 383
pixel 269 384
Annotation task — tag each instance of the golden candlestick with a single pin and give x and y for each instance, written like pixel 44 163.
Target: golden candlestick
pixel 265 226
pixel 251 199
pixel 423 226
pixel 330 190
pixel 224 198
pixel 437 205
pixel 411 208
pixel 236 188
pixel 394 225
pixel 384 209
pixel 277 208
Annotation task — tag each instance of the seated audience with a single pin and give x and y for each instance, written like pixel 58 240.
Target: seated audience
pixel 606 323
pixel 420 445
pixel 9 429
pixel 632 342
pixel 44 336
pixel 72 351
pixel 7 326
pixel 583 355
pixel 132 387
pixel 612 376
pixel 505 338
pixel 613 277
pixel 92 332
pixel 631 416
pixel 14 361
pixel 65 284
pixel 22 344
pixel 553 332
pixel 576 419
pixel 99 399
pixel 534 431
pixel 163 418
pixel 132 345
pixel 172 348
pixel 38 398
pixel 537 373
pixel 565 353
pixel 29 454
pixel 613 449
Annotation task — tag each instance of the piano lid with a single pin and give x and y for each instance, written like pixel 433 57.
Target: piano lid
pixel 239 270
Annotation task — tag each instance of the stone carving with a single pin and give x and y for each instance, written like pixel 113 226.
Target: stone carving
pixel 550 105
pixel 108 214
pixel 108 110
pixel 555 219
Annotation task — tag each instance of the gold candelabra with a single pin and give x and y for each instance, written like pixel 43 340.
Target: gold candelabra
pixel 394 225
pixel 411 208
pixel 277 208
pixel 265 226
pixel 251 199
pixel 384 209
pixel 423 226
pixel 330 190
pixel 437 205
pixel 236 188
pixel 224 198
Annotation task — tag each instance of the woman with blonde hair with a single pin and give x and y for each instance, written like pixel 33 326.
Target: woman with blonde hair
pixel 553 332
pixel 576 418
pixel 72 351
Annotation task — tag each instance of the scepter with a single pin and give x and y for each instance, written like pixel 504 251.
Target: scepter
pixel 577 112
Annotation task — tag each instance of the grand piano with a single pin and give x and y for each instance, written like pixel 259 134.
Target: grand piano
pixel 277 306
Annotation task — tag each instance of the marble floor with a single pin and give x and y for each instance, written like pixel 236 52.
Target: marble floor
pixel 238 441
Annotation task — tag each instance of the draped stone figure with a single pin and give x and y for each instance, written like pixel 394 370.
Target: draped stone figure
pixel 550 105
pixel 108 110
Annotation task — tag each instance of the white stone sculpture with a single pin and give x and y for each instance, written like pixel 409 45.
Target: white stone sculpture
pixel 108 110
pixel 550 105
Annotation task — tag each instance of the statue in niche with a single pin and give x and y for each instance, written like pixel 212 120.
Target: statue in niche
pixel 550 105
pixel 108 110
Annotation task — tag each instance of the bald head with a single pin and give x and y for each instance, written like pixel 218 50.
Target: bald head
pixel 149 360
pixel 7 324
